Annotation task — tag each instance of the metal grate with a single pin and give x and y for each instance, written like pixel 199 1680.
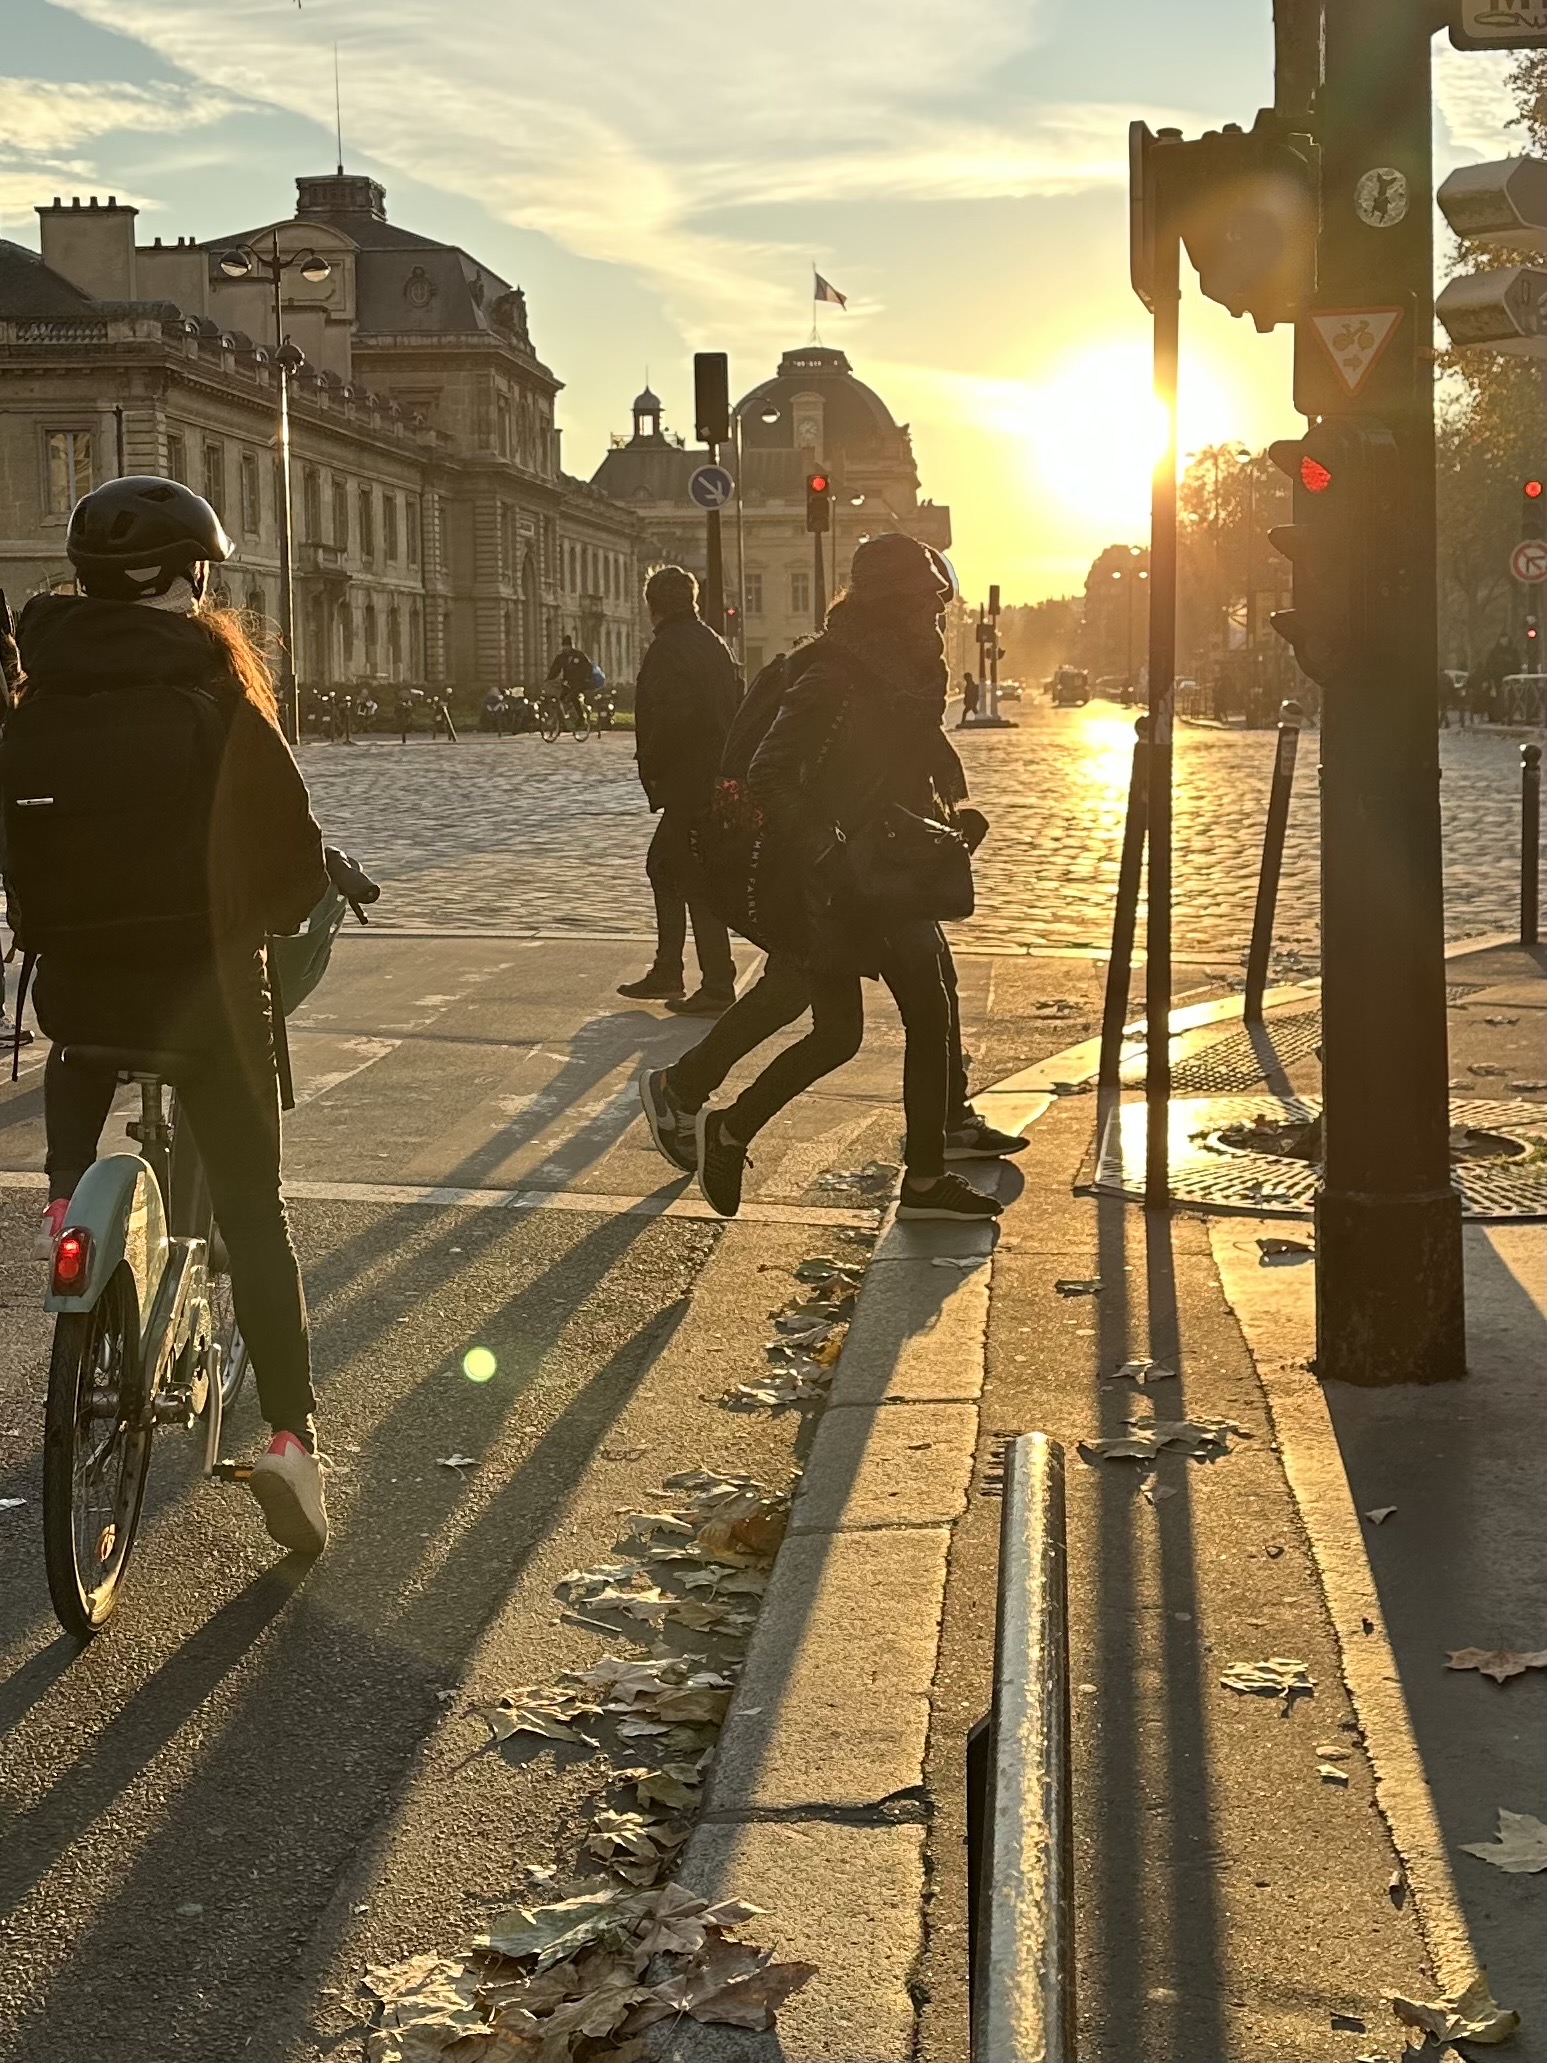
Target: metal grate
pixel 1220 1178
pixel 1233 1064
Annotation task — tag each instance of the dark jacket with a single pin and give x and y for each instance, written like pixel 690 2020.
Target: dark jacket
pixel 265 851
pixel 844 746
pixel 687 694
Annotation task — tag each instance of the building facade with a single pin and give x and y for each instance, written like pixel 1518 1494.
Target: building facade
pixel 437 539
pixel 813 414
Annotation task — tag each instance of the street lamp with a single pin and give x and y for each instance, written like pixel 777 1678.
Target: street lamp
pixel 245 263
pixel 1133 575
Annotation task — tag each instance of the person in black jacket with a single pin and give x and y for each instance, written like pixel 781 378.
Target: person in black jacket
pixel 856 738
pixel 685 699
pixel 143 639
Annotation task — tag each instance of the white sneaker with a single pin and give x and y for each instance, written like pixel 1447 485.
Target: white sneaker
pixel 49 1228
pixel 287 1482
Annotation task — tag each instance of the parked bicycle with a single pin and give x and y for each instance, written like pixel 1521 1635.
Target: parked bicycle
pixel 145 1334
pixel 438 702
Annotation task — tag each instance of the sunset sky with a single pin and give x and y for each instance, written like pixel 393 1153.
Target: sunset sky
pixel 660 176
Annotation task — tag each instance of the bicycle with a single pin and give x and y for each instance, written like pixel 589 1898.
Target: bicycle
pixel 145 1334
pixel 563 712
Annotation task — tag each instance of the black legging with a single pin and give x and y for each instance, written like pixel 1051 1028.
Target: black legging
pixel 913 967
pixel 230 1100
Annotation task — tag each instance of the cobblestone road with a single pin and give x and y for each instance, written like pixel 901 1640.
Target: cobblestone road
pixel 515 835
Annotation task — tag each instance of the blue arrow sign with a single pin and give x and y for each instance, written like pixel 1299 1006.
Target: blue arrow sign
pixel 711 487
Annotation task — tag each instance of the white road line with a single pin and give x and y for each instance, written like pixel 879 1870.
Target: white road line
pixel 369 1052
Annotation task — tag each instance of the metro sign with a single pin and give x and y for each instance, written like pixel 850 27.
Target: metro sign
pixel 1499 24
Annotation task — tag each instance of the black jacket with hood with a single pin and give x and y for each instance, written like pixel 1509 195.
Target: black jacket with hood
pixel 686 697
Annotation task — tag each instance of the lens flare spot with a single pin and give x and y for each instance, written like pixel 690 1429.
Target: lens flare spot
pixel 478 1364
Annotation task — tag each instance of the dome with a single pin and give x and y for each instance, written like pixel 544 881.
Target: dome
pixel 647 403
pixel 853 414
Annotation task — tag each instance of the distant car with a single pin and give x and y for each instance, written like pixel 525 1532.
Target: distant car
pixel 1009 691
pixel 1069 689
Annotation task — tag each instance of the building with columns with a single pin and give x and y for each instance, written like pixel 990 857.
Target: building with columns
pixel 437 538
pixel 814 413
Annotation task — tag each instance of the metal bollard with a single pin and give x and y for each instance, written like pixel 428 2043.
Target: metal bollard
pixel 1530 844
pixel 1258 953
pixel 1125 912
pixel 1023 1864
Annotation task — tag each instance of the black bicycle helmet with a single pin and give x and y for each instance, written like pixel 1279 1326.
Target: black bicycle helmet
pixel 132 538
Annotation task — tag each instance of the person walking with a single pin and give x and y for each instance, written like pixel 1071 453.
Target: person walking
pixel 856 787
pixel 972 695
pixel 684 703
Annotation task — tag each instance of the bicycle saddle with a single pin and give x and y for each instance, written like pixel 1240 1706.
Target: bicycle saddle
pixel 130 1060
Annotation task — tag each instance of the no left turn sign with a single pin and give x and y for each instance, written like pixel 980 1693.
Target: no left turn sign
pixel 1528 561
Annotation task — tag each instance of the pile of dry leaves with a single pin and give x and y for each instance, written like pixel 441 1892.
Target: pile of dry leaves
pixel 808 1337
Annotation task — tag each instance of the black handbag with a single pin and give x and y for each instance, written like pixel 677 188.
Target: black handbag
pixel 902 865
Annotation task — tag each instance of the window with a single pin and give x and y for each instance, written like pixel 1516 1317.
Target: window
pixel 346 632
pixel 253 602
pixel 370 637
pixel 367 523
pixel 69 469
pixel 573 581
pixel 311 506
pixel 177 457
pixel 800 594
pixel 252 495
pixel 754 594
pixel 415 643
pixel 395 641
pixel 214 489
pixel 411 528
pixel 341 514
pixel 389 528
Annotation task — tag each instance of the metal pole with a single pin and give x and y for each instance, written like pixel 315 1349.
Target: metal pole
pixel 741 550
pixel 118 439
pixel 1272 859
pixel 1530 844
pixel 1390 1294
pixel 289 690
pixel 1125 913
pixel 1162 685
pixel 993 668
pixel 1023 1961
pixel 818 583
pixel 712 601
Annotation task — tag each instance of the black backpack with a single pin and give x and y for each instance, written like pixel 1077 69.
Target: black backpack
pixel 106 799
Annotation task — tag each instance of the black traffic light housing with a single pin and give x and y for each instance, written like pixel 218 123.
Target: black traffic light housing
pixel 819 501
pixel 1533 508
pixel 1349 585
pixel 711 397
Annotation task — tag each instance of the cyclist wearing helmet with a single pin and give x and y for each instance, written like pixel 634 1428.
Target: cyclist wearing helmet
pixel 159 830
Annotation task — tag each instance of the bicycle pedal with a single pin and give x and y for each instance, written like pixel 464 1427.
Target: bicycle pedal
pixel 231 1472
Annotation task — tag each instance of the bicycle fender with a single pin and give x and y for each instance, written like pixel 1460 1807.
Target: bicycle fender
pixel 118 1203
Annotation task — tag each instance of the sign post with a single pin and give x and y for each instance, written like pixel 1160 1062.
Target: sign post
pixel 711 487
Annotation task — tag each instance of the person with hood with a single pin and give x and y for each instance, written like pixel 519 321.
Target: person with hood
pixel 684 702
pixel 181 837
pixel 857 789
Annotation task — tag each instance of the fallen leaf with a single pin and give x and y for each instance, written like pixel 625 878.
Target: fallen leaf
pixel 1205 1439
pixel 505 1721
pixel 945 1261
pixel 456 1461
pixel 1155 1492
pixel 427 2003
pixel 734 1984
pixel 1349 2023
pixel 549 1933
pixel 1499 1663
pixel 676 1787
pixel 1331 1774
pixel 1474 2016
pixel 12 1503
pixel 1380 1514
pixel 1520 1846
pixel 1142 1372
pixel 1079 1286
pixel 1280 1676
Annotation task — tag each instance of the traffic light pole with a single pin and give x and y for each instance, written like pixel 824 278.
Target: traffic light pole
pixel 711 605
pixel 1166 290
pixel 818 583
pixel 1389 1295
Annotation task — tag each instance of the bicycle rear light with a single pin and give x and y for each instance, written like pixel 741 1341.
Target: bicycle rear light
pixel 72 1261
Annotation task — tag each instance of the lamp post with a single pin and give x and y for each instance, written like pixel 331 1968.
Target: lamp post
pixel 1132 575
pixel 270 265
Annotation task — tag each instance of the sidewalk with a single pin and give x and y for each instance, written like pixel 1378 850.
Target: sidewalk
pixel 1250 1880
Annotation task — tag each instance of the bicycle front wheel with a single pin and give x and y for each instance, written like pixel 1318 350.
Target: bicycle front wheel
pixel 553 723
pixel 96 1452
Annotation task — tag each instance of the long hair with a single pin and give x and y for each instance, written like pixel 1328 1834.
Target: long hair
pixel 245 642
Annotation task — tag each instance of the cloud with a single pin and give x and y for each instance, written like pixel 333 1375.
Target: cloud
pixel 1474 106
pixel 46 123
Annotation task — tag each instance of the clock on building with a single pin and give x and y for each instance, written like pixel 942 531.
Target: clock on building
pixel 808 432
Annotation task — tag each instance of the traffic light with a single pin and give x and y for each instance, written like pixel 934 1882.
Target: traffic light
pixel 819 501
pixel 1349 587
pixel 711 397
pixel 1533 509
pixel 1533 644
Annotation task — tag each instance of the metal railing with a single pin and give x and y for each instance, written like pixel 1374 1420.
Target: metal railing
pixel 1020 1833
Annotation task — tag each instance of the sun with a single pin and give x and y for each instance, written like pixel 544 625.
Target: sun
pixel 1092 431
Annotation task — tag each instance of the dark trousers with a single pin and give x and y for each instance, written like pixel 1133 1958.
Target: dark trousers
pixel 780 995
pixel 915 965
pixel 669 864
pixel 229 1098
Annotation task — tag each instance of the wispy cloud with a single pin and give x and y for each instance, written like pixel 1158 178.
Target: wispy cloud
pixel 47 128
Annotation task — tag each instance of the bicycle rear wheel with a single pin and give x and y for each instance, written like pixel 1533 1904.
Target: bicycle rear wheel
pixel 579 723
pixel 96 1452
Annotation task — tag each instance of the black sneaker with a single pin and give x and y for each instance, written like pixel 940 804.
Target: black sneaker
pixel 721 1163
pixel 654 987
pixel 671 1127
pixel 702 1003
pixel 949 1197
pixel 976 1139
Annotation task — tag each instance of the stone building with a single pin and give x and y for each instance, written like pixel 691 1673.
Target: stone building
pixel 812 414
pixel 436 537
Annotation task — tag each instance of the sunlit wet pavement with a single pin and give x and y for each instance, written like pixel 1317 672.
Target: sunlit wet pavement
pixel 515 835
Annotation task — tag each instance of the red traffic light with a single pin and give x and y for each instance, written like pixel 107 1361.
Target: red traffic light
pixel 1314 476
pixel 1532 490
pixel 818 483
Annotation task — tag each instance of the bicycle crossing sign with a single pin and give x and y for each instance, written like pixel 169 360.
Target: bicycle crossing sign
pixel 1498 24
pixel 1528 561
pixel 711 487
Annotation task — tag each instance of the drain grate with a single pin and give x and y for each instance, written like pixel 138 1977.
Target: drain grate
pixel 1234 1064
pixel 1213 1177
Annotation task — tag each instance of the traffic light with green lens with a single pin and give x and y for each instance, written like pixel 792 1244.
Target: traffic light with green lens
pixel 1348 580
pixel 819 501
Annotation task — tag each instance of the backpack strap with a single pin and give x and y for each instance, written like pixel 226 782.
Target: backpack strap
pixel 279 1036
pixel 29 960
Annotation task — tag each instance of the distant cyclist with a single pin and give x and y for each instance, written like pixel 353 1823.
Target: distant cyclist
pixel 572 669
pixel 149 910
